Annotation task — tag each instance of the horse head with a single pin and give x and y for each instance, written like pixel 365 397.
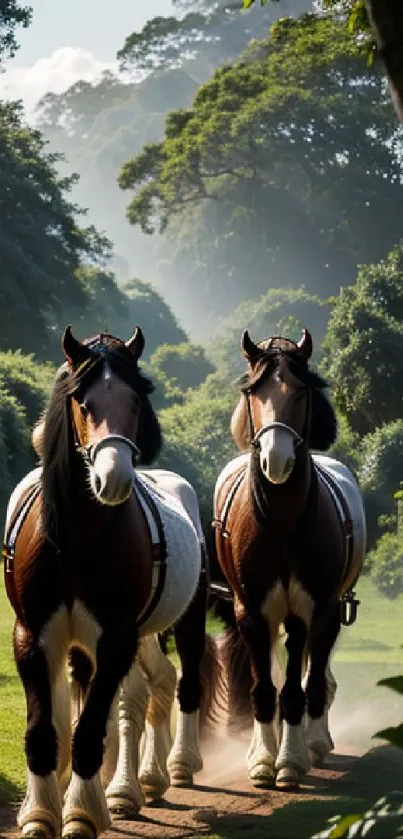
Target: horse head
pixel 283 408
pixel 107 395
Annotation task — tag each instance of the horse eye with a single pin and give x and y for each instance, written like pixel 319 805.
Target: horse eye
pixel 278 377
pixel 84 408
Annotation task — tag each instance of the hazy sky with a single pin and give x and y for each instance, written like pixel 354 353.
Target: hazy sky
pixel 98 26
pixel 70 40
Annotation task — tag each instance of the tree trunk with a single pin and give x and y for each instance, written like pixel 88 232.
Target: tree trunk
pixel 386 19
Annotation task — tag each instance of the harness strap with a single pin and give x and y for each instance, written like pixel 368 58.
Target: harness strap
pixel 159 553
pixel 15 527
pixel 220 524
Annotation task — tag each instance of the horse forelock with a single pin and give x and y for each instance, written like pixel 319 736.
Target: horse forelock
pixel 53 436
pixel 282 353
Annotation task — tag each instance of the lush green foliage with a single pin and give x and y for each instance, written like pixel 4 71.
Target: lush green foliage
pixel 117 309
pixel 176 369
pixel 277 173
pixel 386 561
pixel 24 386
pixel 364 345
pixel 41 242
pixel 280 311
pixel 12 15
pixel 197 439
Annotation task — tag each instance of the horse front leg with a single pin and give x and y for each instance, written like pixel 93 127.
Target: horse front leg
pixel 263 748
pixel 39 663
pixel 190 637
pixel 293 759
pixel 85 812
pixel 317 731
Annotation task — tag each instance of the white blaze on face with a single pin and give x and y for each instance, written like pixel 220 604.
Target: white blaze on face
pixel 112 473
pixel 277 454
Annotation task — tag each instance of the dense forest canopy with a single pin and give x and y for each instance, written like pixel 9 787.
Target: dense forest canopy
pixel 269 166
pixel 285 161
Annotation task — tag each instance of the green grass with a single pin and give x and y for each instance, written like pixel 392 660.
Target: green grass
pixel 366 652
pixel 12 710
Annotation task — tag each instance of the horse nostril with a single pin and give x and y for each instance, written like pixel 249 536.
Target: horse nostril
pixel 98 483
pixel 264 464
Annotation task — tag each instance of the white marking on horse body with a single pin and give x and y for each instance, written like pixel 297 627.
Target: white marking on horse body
pixel 55 640
pixel 277 454
pixel 111 474
pixel 85 799
pixel 279 602
pixel 85 630
pixel 262 751
pixel 42 802
pixel 185 758
pixel 131 709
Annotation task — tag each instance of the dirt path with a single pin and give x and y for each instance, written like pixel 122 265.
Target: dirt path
pixel 220 792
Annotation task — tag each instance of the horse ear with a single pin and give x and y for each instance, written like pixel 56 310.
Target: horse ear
pixel 250 350
pixel 71 347
pixel 136 343
pixel 305 345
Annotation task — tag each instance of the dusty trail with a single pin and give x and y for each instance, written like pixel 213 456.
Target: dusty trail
pixel 222 790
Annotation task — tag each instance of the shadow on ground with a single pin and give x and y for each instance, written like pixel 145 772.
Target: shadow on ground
pixel 368 778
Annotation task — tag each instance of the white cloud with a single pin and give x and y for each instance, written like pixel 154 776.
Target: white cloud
pixel 54 73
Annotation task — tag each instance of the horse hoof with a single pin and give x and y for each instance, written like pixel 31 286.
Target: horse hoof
pixel 288 779
pixel 79 829
pixel 180 776
pixel 122 808
pixel 37 830
pixel 262 776
pixel 154 791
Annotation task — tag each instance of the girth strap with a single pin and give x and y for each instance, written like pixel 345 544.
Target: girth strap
pixel 15 527
pixel 150 509
pixel 220 524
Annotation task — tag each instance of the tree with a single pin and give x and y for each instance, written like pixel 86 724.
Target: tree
pixel 197 439
pixel 42 244
pixel 379 472
pixel 385 19
pixel 12 15
pixel 278 166
pixel 363 348
pixel 280 311
pixel 175 369
pixel 206 35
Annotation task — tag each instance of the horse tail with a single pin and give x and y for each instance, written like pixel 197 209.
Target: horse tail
pixel 213 702
pixel 235 659
pixel 233 653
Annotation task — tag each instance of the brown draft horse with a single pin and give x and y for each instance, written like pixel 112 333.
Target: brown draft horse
pixel 99 557
pixel 290 540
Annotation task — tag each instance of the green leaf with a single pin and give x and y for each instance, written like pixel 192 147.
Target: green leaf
pixel 341 828
pixel 393 735
pixel 248 3
pixel 394 683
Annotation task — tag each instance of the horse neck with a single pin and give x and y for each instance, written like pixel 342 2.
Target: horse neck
pixel 77 516
pixel 281 505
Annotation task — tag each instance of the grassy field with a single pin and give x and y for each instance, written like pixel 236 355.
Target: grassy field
pixel 366 652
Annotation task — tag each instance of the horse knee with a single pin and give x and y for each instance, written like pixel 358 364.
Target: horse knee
pixel 41 747
pixel 190 692
pixel 292 703
pixel 263 698
pixel 316 693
